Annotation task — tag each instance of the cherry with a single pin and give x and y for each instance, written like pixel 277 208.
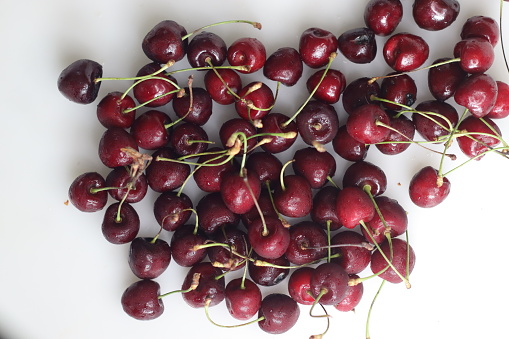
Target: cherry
pixel 112 142
pixel 316 46
pixel 114 110
pixel 243 298
pixel 208 178
pixel 403 260
pixel 299 285
pixel 247 52
pixel 477 93
pixel 164 42
pixel 149 258
pixel 443 80
pixel 120 225
pixel 426 190
pixel 295 198
pixel 183 243
pixel 268 237
pixel 405 52
pixel 363 124
pixel 324 208
pixel 236 241
pixel 317 123
pixel 353 259
pixel 354 206
pixel 307 243
pixel 172 210
pixel 165 176
pixel 85 192
pixel 219 85
pixel 352 297
pixel 400 90
pixel 347 147
pixel 277 123
pixel 149 130
pixel 196 111
pixel 435 15
pixel 265 205
pixel 482 27
pixel 189 139
pixel 254 104
pixel 206 45
pixel 358 45
pixel 431 127
pixel 266 165
pixel 395 217
pixel 141 300
pixel 131 190
pixel 476 146
pixel 383 16
pixel 330 88
pixel 155 91
pixel 359 93
pixel 476 54
pixel 234 126
pixel 329 282
pixel 77 81
pixel 317 167
pixel 239 192
pixel 398 140
pixel 211 288
pixel 280 313
pixel 364 173
pixel 501 108
pixel 272 273
pixel 284 66
pixel 213 213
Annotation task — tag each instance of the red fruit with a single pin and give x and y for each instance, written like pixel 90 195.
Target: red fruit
pixel 111 144
pixel 110 110
pixel 243 298
pixel 362 124
pixel 299 285
pixel 482 27
pixel 435 15
pixel 280 312
pixel 316 46
pixel 284 65
pixel 147 91
pixel 255 104
pixel 247 52
pixel 352 297
pixel 480 143
pixel 426 190
pixel 501 108
pixel 358 45
pixel 141 300
pixel 478 93
pixel 82 196
pixel 353 205
pixel 383 16
pixel 164 42
pixel 240 192
pixel 209 288
pixel 271 245
pixel 402 259
pixel 444 80
pixel 76 81
pixel 476 54
pixel 331 87
pixel 219 85
pixel 395 217
pixel 405 52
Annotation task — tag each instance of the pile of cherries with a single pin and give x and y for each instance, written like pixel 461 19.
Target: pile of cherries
pixel 269 219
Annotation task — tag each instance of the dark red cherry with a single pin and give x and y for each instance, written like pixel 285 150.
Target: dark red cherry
pixel 353 205
pixel 501 108
pixel 352 297
pixel 347 147
pixel 165 176
pixel 172 210
pixel 331 279
pixel 208 178
pixel 198 111
pixel 76 81
pixel 148 257
pixel 272 273
pixel 231 258
pixel 111 110
pixel 400 137
pixel 383 16
pixel 435 15
pixel 425 190
pixel 247 52
pixel 111 144
pixel 403 259
pixel 234 126
pixel 243 298
pixel 476 55
pixel 270 245
pixel 131 191
pixel 362 124
pixel 213 213
pixel 353 259
pixel 482 27
pixel 266 206
pixel 488 137
pixel 189 139
pixel 149 130
pixel 317 167
pixel 400 90
pixel 164 42
pixel 206 45
pixel 239 193
pixel 358 45
pixel 395 217
pixel 307 243
pixel 276 123
pixel 210 286
pixel 254 103
pixel 364 173
pixel 266 165
pixel 182 244
pixel 220 85
pixel 280 313
pixel 299 285
pixel 358 93
pixel 324 208
pixel 154 92
pixel 317 123
pixel 141 300
pixel 478 93
pixel 82 195
pixel 444 80
pixel 431 127
pixel 295 199
pixel 405 52
pixel 330 88
pixel 284 65
pixel 316 46
pixel 120 226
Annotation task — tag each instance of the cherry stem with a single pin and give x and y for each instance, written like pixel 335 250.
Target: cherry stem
pixel 97 190
pixel 263 263
pixel 153 241
pixel 332 181
pixel 285 223
pixel 194 171
pixel 375 98
pixel 501 34
pixel 332 56
pixel 204 68
pixel 211 243
pixel 365 245
pixel 281 174
pixel 118 219
pixel 329 249
pixel 446 146
pixel 371 308
pixel 143 77
pixel 206 307
pixel 323 291
pixel 214 68
pixel 190 86
pixel 255 24
pixel 194 285
pixel 265 231
pixel 474 158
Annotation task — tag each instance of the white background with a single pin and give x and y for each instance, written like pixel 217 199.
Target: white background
pixel 59 278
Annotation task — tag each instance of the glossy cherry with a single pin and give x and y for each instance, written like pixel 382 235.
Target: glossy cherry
pixel 324 208
pixel 400 90
pixel 481 143
pixel 383 16
pixel 206 45
pixel 443 80
pixel 330 88
pixel 208 178
pixel 353 206
pixel 316 45
pixel 77 81
pixel 428 125
pixel 426 190
pixel 210 287
pixel 189 139
pixel 120 226
pixel 347 147
pixel 111 110
pixel 141 300
pixel 280 313
pixel 271 274
pixel 165 176
pixel 164 42
pixel 352 297
pixel 82 195
pixel 149 129
pixel 403 259
pixel 395 217
pixel 501 108
pixel 148 257
pixel 220 85
pixel 270 245
pixel 362 124
pixel 276 123
pixel 400 137
pixel 183 242
pixel 317 167
pixel 478 93
pixel 358 45
pixel 240 192
pixel 318 122
pixel 231 258
pixel 476 54
pixel 284 65
pixel 243 298
pixel 299 285
pixel 254 104
pixel 358 93
pixel 435 15
pixel 295 199
pixel 353 259
pixel 157 91
pixel 213 213
pixel 307 243
pixel 110 147
pixel 482 27
pixel 172 210
pixel 198 111
pixel 131 190
pixel 405 52
pixel 330 282
pixel 266 165
pixel 247 52
pixel 364 173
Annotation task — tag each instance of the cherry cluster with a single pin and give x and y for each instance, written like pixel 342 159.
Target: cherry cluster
pixel 255 214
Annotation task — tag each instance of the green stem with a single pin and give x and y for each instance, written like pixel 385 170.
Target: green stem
pixel 256 25
pixel 371 308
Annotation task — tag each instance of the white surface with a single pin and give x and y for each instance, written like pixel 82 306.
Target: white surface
pixel 61 279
